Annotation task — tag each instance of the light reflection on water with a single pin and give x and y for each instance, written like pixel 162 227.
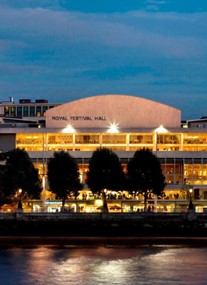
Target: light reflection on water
pixel 103 265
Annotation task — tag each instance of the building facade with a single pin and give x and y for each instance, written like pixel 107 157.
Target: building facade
pixel 25 112
pixel 123 124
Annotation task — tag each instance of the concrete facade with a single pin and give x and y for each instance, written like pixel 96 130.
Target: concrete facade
pixel 123 110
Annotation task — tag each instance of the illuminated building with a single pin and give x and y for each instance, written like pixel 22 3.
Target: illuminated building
pixel 124 124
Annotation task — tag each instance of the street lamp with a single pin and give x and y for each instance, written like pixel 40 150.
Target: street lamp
pixel 43 169
pixel 190 207
pixel 159 130
pixel 105 206
pixel 19 207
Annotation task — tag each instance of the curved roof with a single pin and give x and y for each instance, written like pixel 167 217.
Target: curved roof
pixel 102 110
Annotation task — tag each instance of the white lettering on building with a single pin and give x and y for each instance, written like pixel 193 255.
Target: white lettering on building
pixel 79 118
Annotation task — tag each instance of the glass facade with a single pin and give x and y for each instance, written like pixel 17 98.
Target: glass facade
pixel 183 169
pixel 26 110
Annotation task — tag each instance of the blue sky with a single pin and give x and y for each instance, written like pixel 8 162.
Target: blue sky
pixel 64 50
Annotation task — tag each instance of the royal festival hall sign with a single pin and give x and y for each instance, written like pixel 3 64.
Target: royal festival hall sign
pixel 78 118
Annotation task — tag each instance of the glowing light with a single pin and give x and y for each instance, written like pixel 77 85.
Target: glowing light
pixel 161 130
pixel 43 182
pixel 113 128
pixel 98 202
pixel 69 129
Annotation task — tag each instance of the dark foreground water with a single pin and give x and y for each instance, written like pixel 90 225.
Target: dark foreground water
pixel 104 265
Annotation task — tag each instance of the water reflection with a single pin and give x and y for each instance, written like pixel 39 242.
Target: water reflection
pixel 104 265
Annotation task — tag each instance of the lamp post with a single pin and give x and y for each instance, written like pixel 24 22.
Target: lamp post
pixel 105 206
pixel 155 196
pixel 190 206
pixel 159 130
pixel 19 207
pixel 44 169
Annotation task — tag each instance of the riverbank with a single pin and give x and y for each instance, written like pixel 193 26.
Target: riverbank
pixel 71 242
pixel 97 225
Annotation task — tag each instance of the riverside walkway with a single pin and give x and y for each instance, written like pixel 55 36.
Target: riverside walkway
pixel 139 217
pixel 104 224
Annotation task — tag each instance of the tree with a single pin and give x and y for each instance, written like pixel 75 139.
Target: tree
pixel 105 172
pixel 145 174
pixel 63 175
pixel 20 173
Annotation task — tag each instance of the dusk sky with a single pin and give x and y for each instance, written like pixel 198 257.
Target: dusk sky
pixel 62 50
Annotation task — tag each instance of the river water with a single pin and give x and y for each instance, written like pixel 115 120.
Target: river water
pixel 104 265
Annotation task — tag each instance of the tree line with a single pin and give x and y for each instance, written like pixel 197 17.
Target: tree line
pixel 142 175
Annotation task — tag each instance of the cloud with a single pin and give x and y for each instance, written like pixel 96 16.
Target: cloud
pixel 141 30
pixel 154 5
pixel 54 52
pixel 157 2
pixel 21 4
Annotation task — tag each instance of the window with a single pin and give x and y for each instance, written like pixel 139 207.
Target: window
pixel 6 111
pixel 19 112
pixel 45 108
pixel 25 111
pixel 114 139
pixel 32 111
pixel 141 139
pixel 13 109
pixel 38 111
pixel 87 139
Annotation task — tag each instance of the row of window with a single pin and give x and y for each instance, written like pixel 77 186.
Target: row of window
pixel 26 111
pixel 119 142
pixel 178 173
pixel 119 138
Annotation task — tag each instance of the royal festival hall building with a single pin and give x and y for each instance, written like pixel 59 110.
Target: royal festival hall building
pixel 121 123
